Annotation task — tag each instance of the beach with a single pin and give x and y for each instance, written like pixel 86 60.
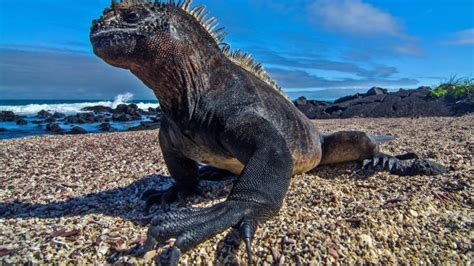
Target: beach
pixel 77 199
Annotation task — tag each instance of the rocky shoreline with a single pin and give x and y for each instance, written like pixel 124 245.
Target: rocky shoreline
pixel 101 115
pixel 378 102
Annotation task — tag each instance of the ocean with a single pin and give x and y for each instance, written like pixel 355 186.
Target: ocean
pixel 32 107
pixel 28 109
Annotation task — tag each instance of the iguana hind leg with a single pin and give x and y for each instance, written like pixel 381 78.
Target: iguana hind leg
pixel 346 146
pixel 359 146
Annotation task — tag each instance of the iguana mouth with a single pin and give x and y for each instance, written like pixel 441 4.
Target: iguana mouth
pixel 113 38
pixel 105 32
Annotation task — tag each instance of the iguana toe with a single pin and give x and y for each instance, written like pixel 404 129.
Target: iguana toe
pixel 408 164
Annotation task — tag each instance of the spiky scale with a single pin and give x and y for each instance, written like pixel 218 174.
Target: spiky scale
pixel 185 6
pixel 197 10
pixel 241 59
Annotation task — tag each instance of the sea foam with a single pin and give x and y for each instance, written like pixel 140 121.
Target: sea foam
pixel 69 108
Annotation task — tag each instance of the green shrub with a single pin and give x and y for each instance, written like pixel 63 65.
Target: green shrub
pixel 438 92
pixel 455 89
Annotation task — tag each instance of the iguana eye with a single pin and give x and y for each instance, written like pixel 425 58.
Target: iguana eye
pixel 131 17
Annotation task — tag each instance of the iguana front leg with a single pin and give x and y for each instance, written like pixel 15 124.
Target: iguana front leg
pixel 184 172
pixel 186 181
pixel 256 196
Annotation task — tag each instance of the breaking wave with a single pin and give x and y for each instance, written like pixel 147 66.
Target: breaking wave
pixel 74 107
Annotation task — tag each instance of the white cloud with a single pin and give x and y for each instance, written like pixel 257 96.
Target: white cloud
pixel 465 37
pixel 409 49
pixel 355 17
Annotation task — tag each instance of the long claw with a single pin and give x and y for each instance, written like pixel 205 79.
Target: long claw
pixel 384 162
pixel 391 163
pixel 140 251
pixel 248 247
pixel 375 161
pixel 365 163
pixel 247 231
pixel 174 256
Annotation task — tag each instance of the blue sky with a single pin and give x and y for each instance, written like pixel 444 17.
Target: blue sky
pixel 305 45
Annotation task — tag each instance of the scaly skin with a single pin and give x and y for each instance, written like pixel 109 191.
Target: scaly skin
pixel 216 113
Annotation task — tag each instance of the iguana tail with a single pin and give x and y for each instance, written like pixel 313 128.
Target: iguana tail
pixel 382 138
pixel 345 146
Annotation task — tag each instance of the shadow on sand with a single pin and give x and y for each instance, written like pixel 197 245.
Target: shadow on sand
pixel 125 202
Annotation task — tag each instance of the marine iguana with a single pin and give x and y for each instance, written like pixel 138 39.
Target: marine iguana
pixel 223 110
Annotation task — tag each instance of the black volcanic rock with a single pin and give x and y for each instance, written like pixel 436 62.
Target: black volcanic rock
pixel 85 118
pixel 77 131
pixel 106 127
pixel 98 109
pixel 376 91
pixel 153 111
pixel 8 116
pixel 54 127
pixel 122 117
pixel 378 102
pixel 129 112
pixel 44 114
pixel 72 119
pixel 145 126
pixel 301 101
pixel 21 122
pixel 348 98
pixel 58 115
pixel 49 120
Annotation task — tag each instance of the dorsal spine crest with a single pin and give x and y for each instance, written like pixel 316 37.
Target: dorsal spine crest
pixel 242 59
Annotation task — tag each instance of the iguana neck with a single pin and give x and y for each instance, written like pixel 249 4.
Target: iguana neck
pixel 179 85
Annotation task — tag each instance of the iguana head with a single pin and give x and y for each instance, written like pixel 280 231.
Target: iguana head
pixel 135 32
pixel 166 41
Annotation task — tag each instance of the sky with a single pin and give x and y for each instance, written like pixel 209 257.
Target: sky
pixel 305 45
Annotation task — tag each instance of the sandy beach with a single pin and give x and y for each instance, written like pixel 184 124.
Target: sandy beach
pixel 77 199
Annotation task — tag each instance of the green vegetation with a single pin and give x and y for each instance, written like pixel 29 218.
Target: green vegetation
pixel 455 89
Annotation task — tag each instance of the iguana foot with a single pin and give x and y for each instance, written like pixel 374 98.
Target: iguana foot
pixel 400 165
pixel 164 197
pixel 175 193
pixel 190 227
